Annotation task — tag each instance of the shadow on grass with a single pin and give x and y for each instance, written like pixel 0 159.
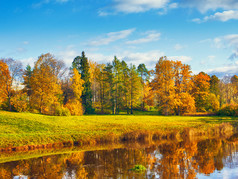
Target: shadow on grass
pixel 221 119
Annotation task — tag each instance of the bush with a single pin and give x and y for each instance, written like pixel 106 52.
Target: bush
pixel 66 112
pixel 75 107
pixel 62 111
pixel 230 110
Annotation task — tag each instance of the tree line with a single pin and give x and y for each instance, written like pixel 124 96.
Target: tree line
pixel 91 88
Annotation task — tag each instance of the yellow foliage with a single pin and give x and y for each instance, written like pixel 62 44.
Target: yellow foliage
pixel 77 84
pixel 44 83
pixel 20 102
pixel 5 81
pixel 75 107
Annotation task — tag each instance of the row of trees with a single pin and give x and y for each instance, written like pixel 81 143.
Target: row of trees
pixel 87 87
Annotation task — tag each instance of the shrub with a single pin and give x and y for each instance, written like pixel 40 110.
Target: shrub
pixel 20 102
pixel 229 110
pixel 62 111
pixel 75 107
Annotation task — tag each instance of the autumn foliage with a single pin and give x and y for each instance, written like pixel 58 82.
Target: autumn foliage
pixel 113 88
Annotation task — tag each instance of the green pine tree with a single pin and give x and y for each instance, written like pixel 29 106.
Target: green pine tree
pixel 82 65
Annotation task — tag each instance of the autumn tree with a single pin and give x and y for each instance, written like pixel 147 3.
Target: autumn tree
pixel 117 72
pixel 125 91
pixel 100 76
pixel 26 80
pixel 201 90
pixel 144 75
pixel 109 86
pixel 214 85
pixel 44 82
pixel 82 65
pixel 5 81
pixel 15 70
pixel 183 101
pixel 134 87
pixel 75 103
pixel 172 85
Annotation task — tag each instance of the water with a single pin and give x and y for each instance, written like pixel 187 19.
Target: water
pixel 203 158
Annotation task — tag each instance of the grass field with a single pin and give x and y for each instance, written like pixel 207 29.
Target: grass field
pixel 25 129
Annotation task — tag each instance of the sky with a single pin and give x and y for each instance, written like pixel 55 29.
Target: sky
pixel 201 33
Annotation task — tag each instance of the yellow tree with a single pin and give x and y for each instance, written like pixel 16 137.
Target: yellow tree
pixel 201 90
pixel 75 103
pixel 134 87
pixel 46 90
pixel 5 81
pixel 15 71
pixel 183 101
pixel 163 84
pixel 172 85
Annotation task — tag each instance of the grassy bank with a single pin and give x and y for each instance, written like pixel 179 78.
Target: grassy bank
pixel 34 130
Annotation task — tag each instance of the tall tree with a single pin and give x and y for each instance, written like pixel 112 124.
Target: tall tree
pixel 44 81
pixel 100 76
pixel 201 90
pixel 117 71
pixel 15 69
pixel 172 85
pixel 74 104
pixel 109 85
pixel 163 84
pixel 144 75
pixel 125 81
pixel 5 81
pixel 26 77
pixel 214 85
pixel 82 65
pixel 134 86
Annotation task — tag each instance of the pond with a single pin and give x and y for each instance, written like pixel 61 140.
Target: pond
pixel 186 158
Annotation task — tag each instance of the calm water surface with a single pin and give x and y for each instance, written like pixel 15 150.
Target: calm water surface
pixel 207 158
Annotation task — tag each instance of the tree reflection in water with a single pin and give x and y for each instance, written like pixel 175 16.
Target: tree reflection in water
pixel 184 159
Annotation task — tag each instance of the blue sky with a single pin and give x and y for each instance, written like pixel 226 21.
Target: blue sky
pixel 201 33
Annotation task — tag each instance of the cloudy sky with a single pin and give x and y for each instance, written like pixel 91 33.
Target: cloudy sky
pixel 201 33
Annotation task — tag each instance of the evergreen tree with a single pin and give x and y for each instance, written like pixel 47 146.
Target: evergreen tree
pixel 125 82
pixel 117 71
pixel 214 85
pixel 144 75
pixel 82 65
pixel 134 86
pixel 109 93
pixel 26 77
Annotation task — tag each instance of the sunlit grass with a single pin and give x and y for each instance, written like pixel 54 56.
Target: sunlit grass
pixel 18 129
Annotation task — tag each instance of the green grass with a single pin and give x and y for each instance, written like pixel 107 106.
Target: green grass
pixel 20 129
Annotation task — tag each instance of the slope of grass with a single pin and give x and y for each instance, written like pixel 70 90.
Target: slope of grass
pixel 21 129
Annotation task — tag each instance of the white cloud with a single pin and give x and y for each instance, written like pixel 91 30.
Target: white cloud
pixel 228 41
pixel 220 16
pixel 67 55
pixel 183 59
pixel 149 58
pixel 224 70
pixel 100 58
pixel 28 61
pixel 205 5
pixel 232 39
pixel 151 37
pixel 134 6
pixel 111 37
pixel 178 47
pixel 173 6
